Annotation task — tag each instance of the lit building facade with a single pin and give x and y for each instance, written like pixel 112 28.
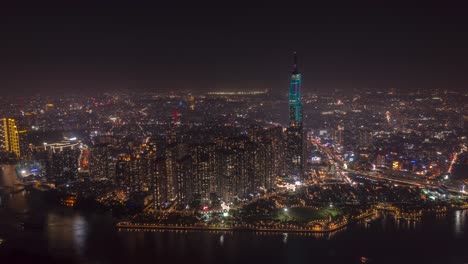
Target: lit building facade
pixel 101 163
pixel 295 101
pixel 338 134
pixel 9 136
pixel 204 170
pixel 158 182
pixel 295 134
pixel 184 184
pixel 62 160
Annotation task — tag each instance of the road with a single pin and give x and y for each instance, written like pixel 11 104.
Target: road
pixel 337 162
pixel 374 175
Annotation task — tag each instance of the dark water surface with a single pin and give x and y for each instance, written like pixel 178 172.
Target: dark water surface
pixel 71 236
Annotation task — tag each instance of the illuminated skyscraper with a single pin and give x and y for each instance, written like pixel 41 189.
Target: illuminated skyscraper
pixel 204 170
pixel 101 162
pixel 365 137
pixel 62 161
pixel 295 134
pixel 295 103
pixel 9 136
pixel 184 186
pixel 122 169
pixel 338 134
pixel 158 182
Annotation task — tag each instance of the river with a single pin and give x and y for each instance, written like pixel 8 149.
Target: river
pixel 72 236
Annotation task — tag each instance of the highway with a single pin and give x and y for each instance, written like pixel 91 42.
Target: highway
pixel 374 175
pixel 339 164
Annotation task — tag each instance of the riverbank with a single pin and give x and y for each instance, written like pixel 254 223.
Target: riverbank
pixel 320 226
pixel 313 227
pixel 123 226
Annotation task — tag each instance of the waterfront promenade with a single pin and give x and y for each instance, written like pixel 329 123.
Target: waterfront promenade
pixel 313 227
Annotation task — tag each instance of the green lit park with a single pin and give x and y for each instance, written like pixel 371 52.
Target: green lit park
pixel 307 214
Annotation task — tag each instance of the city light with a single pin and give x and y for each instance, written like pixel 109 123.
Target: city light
pixel 184 132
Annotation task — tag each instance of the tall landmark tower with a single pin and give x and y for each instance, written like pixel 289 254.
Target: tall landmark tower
pixel 295 133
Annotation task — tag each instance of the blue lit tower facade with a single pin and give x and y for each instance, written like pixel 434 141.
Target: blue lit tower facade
pixel 295 135
pixel 295 103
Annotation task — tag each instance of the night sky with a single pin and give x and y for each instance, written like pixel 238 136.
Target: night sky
pixel 78 47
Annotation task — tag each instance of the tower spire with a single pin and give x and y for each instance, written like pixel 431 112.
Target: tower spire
pixel 295 63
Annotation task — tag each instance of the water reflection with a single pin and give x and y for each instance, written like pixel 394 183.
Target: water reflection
pixel 59 232
pixel 66 232
pixel 80 231
pixel 460 222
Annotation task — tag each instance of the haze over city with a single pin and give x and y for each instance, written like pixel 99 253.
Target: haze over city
pixel 101 46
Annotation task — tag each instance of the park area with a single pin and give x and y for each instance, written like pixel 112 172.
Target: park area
pixel 307 214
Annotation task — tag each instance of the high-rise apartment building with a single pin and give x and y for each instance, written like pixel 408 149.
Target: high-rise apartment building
pixel 9 138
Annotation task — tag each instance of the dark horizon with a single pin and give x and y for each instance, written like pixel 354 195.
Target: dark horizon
pixel 74 48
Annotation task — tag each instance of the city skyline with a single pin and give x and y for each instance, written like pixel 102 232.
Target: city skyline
pixel 190 133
